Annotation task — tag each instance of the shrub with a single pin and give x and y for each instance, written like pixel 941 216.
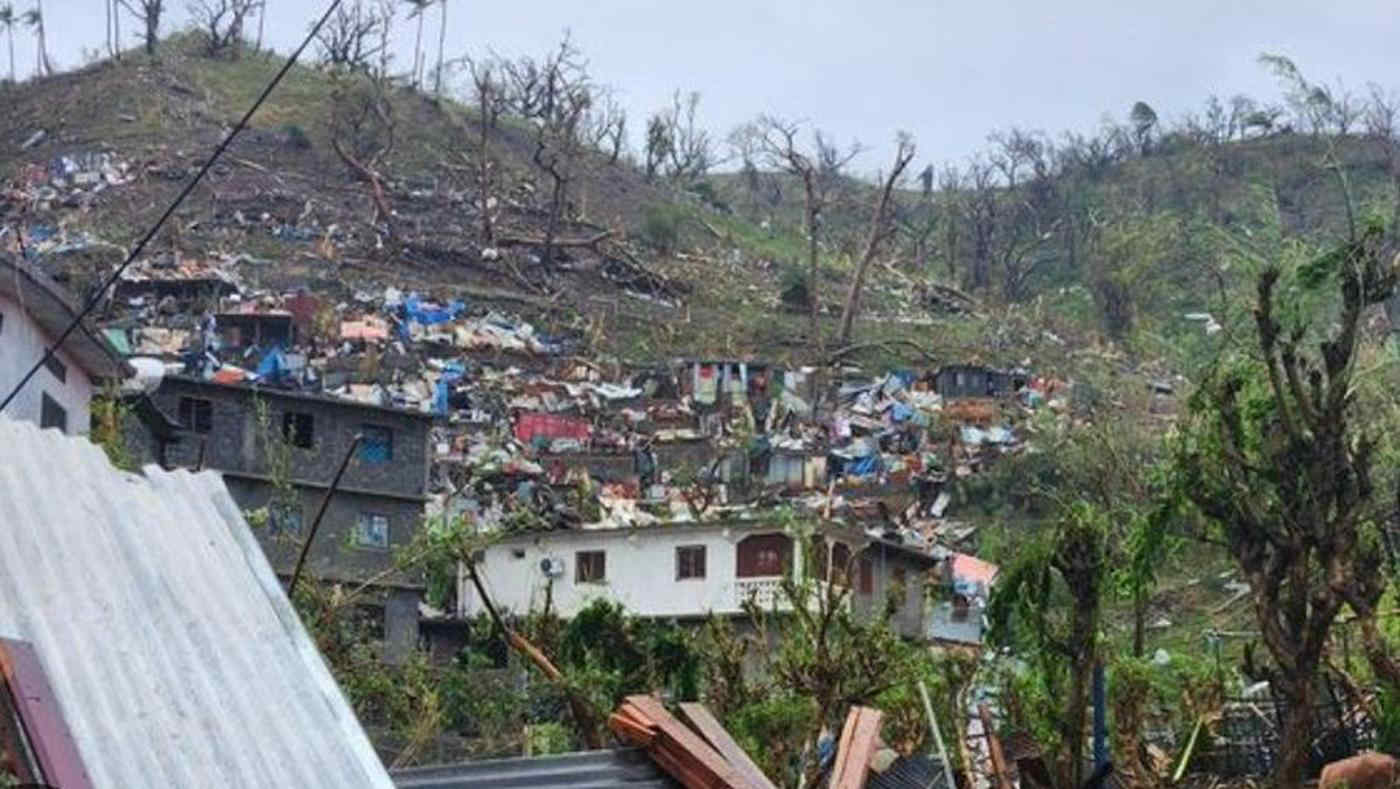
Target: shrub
pixel 661 227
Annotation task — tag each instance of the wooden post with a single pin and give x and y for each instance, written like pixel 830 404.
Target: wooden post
pixel 937 736
pixel 1003 781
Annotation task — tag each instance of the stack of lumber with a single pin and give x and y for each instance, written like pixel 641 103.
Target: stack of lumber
pixel 705 757
pixel 860 739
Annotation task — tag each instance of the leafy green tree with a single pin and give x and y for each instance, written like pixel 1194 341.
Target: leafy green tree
pixel 1278 459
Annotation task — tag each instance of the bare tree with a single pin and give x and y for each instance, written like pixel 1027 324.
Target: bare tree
pixel 819 169
pixel 442 43
pixel 658 144
pixel 354 36
pixel 564 98
pixel 222 23
pixel 491 102
pixel 363 134
pixel 419 9
pixel 881 228
pixel 692 151
pixel 148 13
pixel 606 125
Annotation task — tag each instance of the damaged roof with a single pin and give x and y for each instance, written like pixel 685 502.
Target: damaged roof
pixel 53 308
pixel 174 656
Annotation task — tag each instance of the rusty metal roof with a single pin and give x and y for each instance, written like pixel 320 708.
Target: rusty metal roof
pixel 173 653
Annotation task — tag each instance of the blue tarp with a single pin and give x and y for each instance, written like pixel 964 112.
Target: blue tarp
pixel 901 412
pixel 415 312
pixel 451 372
pixel 273 365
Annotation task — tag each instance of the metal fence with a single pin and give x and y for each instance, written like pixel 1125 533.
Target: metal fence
pixel 1246 739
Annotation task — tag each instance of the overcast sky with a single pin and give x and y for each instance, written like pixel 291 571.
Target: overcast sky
pixel 949 72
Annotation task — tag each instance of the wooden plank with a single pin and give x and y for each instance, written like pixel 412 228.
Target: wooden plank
pixel 37 706
pixel 843 746
pixel 863 746
pixel 714 733
pixel 999 770
pixel 628 730
pixel 677 738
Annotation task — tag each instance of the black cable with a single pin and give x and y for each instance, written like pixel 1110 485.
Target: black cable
pixel 146 239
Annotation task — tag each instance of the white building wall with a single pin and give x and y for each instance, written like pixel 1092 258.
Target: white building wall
pixel 640 569
pixel 641 575
pixel 22 342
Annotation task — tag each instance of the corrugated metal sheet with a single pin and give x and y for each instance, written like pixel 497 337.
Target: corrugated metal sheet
pixel 624 768
pixel 911 772
pixel 174 654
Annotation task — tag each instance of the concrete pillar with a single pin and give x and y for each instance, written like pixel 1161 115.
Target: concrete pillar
pixel 400 625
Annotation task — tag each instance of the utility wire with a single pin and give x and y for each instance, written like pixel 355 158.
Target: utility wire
pixel 146 239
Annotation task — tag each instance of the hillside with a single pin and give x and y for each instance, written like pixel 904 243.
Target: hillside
pixel 269 205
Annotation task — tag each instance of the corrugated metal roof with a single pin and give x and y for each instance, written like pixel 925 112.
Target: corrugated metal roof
pixel 175 656
pixel 628 768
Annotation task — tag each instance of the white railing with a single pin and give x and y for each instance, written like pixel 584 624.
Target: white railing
pixel 765 592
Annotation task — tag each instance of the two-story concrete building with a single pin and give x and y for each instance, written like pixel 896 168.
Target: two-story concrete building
pixel 278 452
pixel 34 311
pixel 689 571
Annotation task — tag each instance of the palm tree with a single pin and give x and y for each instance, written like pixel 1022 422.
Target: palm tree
pixel 34 18
pixel 7 19
pixel 420 8
pixel 442 41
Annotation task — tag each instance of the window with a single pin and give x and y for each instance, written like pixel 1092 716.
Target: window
pixel 763 555
pixel 690 562
pixel 371 531
pixel 297 428
pixel 196 414
pixel 59 369
pixel 376 444
pixel 51 414
pixel 867 576
pixel 590 567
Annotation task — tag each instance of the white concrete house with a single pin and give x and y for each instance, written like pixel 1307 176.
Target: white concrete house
pixel 690 571
pixel 34 310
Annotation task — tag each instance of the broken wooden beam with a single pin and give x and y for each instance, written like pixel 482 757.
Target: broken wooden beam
pixel 714 733
pixel 682 753
pixel 860 738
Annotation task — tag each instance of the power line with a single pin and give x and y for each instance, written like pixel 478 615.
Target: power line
pixel 146 239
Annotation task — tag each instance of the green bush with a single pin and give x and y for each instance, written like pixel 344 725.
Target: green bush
pixel 661 227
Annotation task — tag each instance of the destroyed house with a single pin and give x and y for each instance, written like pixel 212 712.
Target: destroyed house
pixel 692 570
pixel 278 452
pixel 34 311
pixel 971 380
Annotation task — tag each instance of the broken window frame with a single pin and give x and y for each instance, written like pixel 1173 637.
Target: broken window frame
pixel 376 445
pixel 366 525
pixel 690 562
pixel 196 414
pixel 590 567
pixel 299 429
